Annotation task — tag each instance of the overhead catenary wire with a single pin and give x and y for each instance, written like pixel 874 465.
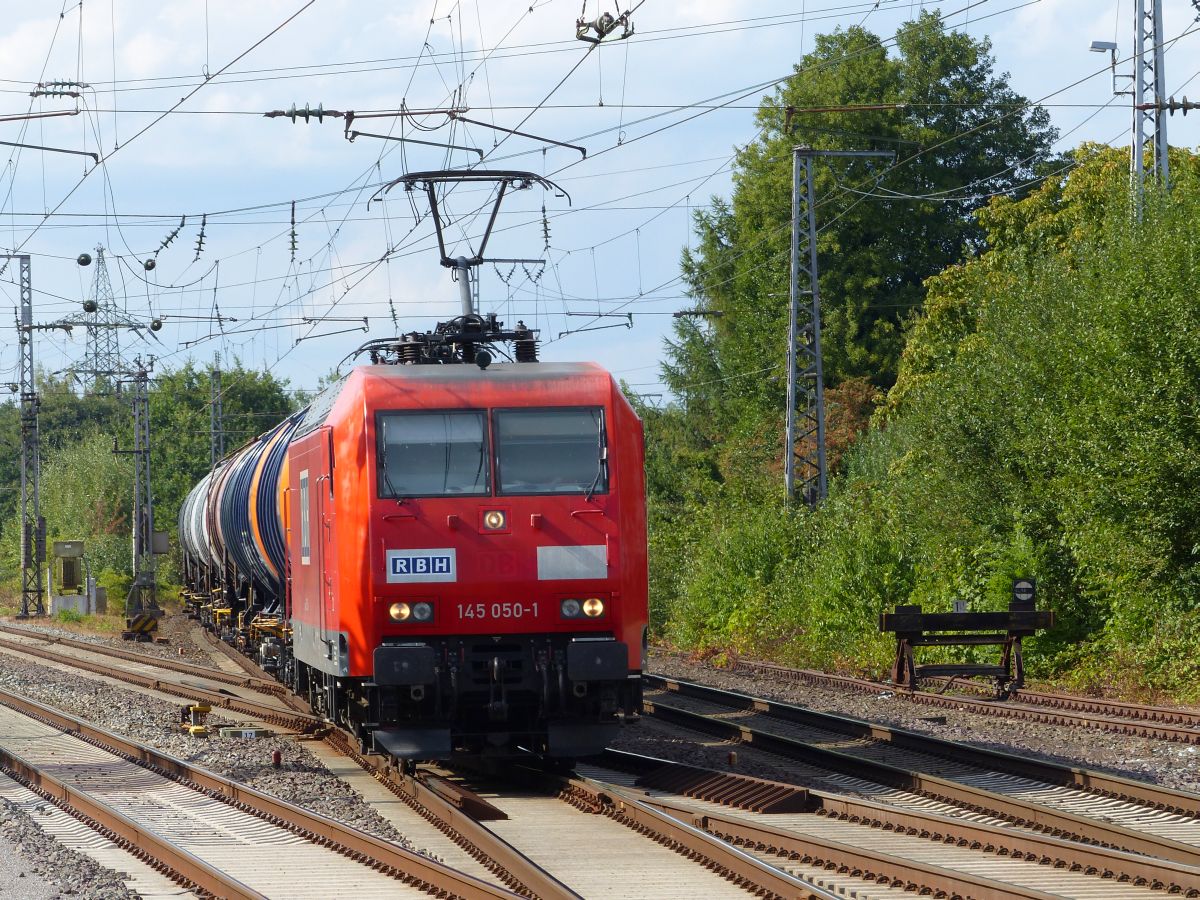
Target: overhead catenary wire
pixel 321 282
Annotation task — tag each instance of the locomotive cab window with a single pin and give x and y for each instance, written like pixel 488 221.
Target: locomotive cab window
pixel 432 454
pixel 551 451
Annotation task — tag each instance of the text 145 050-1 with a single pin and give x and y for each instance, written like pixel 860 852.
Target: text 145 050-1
pixel 497 610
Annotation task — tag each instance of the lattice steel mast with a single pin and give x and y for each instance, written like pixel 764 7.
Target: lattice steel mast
pixel 143 593
pixel 33 526
pixel 216 420
pixel 102 360
pixel 805 423
pixel 1149 98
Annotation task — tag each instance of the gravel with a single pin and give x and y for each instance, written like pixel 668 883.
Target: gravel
pixel 45 868
pixel 1168 763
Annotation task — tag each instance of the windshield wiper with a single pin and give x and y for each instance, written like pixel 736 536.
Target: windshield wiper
pixel 387 479
pixel 600 463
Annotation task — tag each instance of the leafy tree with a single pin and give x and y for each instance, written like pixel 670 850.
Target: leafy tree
pixel 961 135
pixel 252 402
pixel 1044 422
pixel 87 490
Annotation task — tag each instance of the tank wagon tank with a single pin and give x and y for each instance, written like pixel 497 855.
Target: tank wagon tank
pixel 444 558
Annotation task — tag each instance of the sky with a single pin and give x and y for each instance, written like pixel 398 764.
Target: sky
pixel 194 178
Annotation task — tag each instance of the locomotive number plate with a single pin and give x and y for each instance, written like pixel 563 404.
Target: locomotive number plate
pixel 497 610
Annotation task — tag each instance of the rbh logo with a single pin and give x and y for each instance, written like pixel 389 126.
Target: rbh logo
pixel 421 565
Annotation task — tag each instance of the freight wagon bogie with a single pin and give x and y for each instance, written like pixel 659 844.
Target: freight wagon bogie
pixel 444 560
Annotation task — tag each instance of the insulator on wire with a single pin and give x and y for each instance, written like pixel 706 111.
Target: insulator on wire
pixel 526 346
pixel 306 113
pixel 1183 105
pixel 603 25
pixel 200 237
pixel 166 242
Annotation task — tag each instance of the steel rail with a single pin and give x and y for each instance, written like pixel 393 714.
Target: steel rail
pixel 1020 812
pixel 350 841
pixel 245 663
pixel 741 868
pixel 453 818
pixel 448 815
pixel 256 672
pixel 1156 796
pixel 177 863
pixel 1175 878
pixel 666 827
pixel 921 878
pixel 1121 712
pixel 451 809
pixel 295 721
pixel 261 685
pixel 1159 722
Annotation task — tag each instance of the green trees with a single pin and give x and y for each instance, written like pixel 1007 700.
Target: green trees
pixel 1044 422
pixel 1053 378
pixel 87 490
pixel 252 402
pixel 960 134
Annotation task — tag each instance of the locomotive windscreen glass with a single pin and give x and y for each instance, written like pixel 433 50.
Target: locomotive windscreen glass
pixel 432 454
pixel 551 451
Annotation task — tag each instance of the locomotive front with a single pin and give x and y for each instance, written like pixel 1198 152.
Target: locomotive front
pixel 467 556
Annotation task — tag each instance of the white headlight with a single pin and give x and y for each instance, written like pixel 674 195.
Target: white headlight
pixel 422 612
pixel 570 608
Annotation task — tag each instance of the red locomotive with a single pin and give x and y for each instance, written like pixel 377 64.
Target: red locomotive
pixel 444 557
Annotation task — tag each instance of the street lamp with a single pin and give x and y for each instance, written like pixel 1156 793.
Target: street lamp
pixel 1109 47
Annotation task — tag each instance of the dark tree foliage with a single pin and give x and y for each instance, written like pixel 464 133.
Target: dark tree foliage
pixel 78 428
pixel 960 135
pixel 252 403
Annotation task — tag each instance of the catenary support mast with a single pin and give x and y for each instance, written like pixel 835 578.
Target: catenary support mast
pixel 216 421
pixel 1149 98
pixel 33 526
pixel 804 440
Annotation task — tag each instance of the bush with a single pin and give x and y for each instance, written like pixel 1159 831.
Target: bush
pixel 1044 424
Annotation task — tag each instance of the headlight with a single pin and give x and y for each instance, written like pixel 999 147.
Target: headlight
pixel 570 609
pixel 593 607
pixel 422 612
pixel 494 520
pixel 399 612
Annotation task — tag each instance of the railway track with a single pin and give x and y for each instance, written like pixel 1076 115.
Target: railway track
pixel 210 686
pixel 908 769
pixel 859 848
pixel 829 845
pixel 256 683
pixel 510 839
pixel 435 814
pixel 607 842
pixel 207 832
pixel 1159 722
